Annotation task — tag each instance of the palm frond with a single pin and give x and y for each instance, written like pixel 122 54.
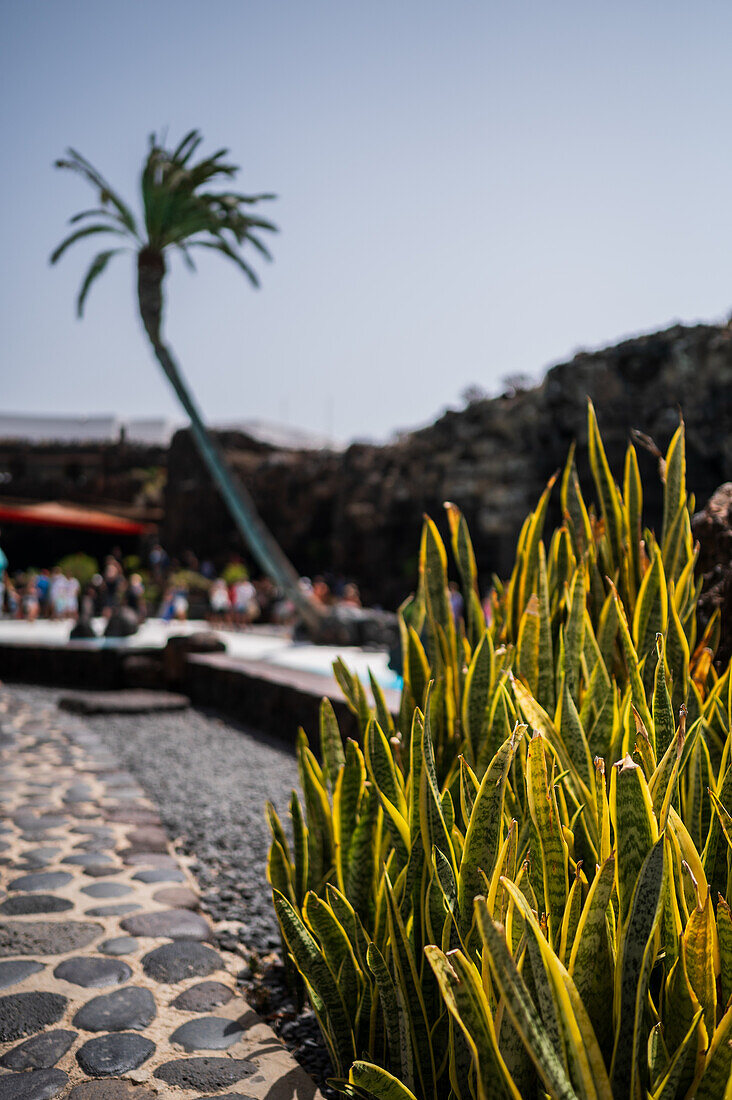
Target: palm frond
pixel 96 268
pixel 79 164
pixel 87 231
pixel 221 246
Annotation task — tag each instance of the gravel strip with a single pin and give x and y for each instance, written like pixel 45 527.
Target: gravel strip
pixel 210 779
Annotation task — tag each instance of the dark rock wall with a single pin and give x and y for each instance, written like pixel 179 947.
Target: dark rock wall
pixel 358 513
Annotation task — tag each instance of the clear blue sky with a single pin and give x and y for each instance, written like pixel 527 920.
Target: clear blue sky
pixel 467 190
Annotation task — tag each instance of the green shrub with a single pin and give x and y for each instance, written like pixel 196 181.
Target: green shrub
pixel 81 566
pixel 521 886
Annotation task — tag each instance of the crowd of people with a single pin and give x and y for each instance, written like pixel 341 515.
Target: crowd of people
pixel 166 588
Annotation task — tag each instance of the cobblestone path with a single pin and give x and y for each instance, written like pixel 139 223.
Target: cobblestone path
pixel 109 988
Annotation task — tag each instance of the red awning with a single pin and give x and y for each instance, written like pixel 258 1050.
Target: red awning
pixel 52 514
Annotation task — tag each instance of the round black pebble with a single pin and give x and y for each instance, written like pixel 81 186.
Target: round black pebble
pixel 42 880
pixel 208 1033
pixel 88 859
pixel 106 890
pixel 203 997
pixel 108 1055
pixel 40 1084
pixel 119 945
pixel 131 1008
pixel 93 972
pixel 38 937
pixel 111 910
pixel 185 959
pixel 160 874
pixel 16 970
pixel 205 1073
pixel 113 1088
pixel 23 1013
pixel 175 924
pixel 40 856
pixel 23 905
pixel 40 1052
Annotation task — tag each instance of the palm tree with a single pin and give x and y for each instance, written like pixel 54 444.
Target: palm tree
pixel 180 212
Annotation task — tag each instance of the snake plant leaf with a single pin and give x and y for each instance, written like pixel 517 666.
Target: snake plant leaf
pixel 433 572
pixel 505 867
pixel 632 511
pixel 553 846
pixel 397 1025
pixel 360 864
pixel 562 1009
pixel 462 548
pixel 469 784
pixel 663 715
pixel 466 1000
pixel 411 990
pixel 677 657
pixel 278 833
pixel 348 793
pixel 279 871
pixel 674 492
pixel 680 1008
pixel 573 507
pixel 336 949
pixel 636 954
pixel 651 608
pixel 571 917
pixel 521 1007
pixel 669 1085
pixel 574 632
pixel 545 675
pixel 477 694
pixel 484 834
pixel 632 662
pixel 301 881
pixel 431 819
pixel 500 725
pixel 527 646
pixel 331 743
pixel 416 667
pixel 382 769
pixel 354 692
pixel 603 810
pixel 700 942
pixel 568 722
pixel 636 829
pixel 724 932
pixel 383 714
pixel 590 964
pixel 320 835
pixel 718 1065
pixel 533 541
pixel 378 1083
pixel 606 489
pixel 310 962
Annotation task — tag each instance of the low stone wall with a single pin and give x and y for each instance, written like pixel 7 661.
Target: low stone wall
pixel 272 700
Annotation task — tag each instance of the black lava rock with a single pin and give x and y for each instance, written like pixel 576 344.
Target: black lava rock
pixel 40 1052
pixel 93 972
pixel 23 1013
pixel 129 1008
pixel 107 1055
pixel 184 959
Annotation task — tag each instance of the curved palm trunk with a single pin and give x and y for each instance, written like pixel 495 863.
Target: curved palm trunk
pixel 261 542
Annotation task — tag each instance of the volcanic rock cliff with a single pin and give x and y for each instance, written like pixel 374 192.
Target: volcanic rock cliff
pixel 358 513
